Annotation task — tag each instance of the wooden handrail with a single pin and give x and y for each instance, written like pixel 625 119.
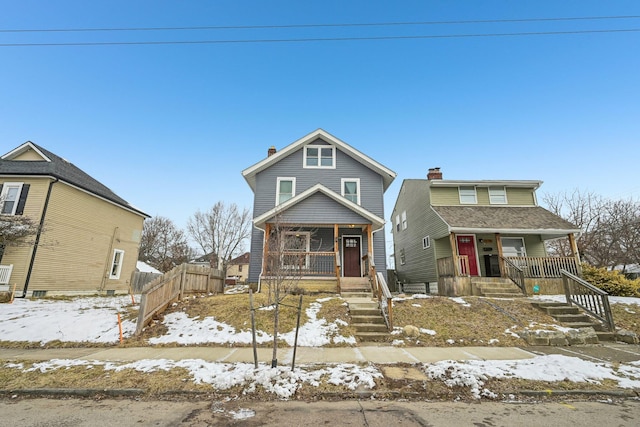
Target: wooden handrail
pixel 594 301
pixel 515 274
pixel 385 300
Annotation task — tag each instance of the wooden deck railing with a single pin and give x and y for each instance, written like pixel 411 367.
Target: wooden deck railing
pixel 589 298
pixel 453 266
pixel 546 267
pixel 302 263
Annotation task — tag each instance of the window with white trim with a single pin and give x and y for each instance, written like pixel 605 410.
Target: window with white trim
pixel 397 222
pixel 116 264
pixel 426 242
pixel 498 195
pixel 295 247
pixel 286 189
pixel 513 246
pixel 319 156
pixel 9 198
pixel 468 195
pixel 403 259
pixel 404 220
pixel 351 189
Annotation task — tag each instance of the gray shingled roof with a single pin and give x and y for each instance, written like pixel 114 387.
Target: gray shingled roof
pixel 65 171
pixel 503 218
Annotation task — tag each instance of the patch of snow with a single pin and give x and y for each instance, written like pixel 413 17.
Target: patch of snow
pixel 460 301
pixel 281 380
pixel 93 319
pixel 427 331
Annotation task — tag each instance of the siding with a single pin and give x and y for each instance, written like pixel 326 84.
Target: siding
pixel 321 209
pixel 516 196
pixel 20 256
pixel 521 196
pixel 76 247
pixel 420 265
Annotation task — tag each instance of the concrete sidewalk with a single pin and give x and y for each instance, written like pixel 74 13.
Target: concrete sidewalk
pixel 304 355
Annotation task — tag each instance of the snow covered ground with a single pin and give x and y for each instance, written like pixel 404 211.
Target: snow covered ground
pixel 95 320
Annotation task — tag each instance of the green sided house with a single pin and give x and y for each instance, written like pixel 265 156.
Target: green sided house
pixel 88 237
pixel 464 236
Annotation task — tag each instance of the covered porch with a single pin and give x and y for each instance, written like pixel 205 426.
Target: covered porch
pixel 319 257
pixel 522 259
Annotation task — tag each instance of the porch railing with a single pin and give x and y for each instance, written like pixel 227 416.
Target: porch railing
pixel 515 274
pixel 302 263
pixel 546 267
pixel 589 298
pixel 5 274
pixel 453 266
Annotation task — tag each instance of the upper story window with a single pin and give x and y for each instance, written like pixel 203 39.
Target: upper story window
pixel 468 195
pixel 397 222
pixel 286 189
pixel 13 198
pixel 426 242
pixel 404 220
pixel 319 156
pixel 351 189
pixel 498 195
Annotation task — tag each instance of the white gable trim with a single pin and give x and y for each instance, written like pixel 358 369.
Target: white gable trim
pixel 23 148
pixel 387 174
pixel 260 221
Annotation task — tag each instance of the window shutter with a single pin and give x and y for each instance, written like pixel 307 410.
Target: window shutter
pixel 22 199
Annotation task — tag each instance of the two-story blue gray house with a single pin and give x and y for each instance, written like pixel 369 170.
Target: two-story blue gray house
pixel 328 196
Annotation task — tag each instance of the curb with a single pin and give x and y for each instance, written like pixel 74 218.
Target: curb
pixel 80 392
pixel 368 394
pixel 613 393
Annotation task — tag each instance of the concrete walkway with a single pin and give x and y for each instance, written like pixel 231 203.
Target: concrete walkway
pixel 304 355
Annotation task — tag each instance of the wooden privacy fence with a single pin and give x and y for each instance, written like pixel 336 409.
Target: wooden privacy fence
pixel 140 278
pixel 171 286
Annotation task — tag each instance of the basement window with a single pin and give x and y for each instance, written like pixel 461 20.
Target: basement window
pixel 39 294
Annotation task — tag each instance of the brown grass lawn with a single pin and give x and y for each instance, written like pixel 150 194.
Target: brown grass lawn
pixel 482 322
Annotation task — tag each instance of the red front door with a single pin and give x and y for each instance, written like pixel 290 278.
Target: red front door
pixel 467 246
pixel 351 256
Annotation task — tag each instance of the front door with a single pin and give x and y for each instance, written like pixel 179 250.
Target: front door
pixel 351 256
pixel 467 246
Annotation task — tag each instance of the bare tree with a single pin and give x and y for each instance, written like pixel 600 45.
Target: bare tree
pixel 610 228
pixel 163 245
pixel 220 231
pixel 284 263
pixel 17 230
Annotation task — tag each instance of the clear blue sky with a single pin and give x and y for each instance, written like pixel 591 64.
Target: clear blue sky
pixel 170 127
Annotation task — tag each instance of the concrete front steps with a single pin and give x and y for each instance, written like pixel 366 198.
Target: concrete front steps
pixel 366 316
pixel 493 287
pixel 572 317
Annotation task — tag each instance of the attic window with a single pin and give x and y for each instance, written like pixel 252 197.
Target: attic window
pixel 319 156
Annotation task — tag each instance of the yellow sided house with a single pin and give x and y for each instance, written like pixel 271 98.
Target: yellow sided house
pixel 87 237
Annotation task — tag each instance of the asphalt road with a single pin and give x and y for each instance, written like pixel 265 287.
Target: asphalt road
pixel 80 413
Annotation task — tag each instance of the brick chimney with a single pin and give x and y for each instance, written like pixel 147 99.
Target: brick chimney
pixel 271 151
pixel 434 173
